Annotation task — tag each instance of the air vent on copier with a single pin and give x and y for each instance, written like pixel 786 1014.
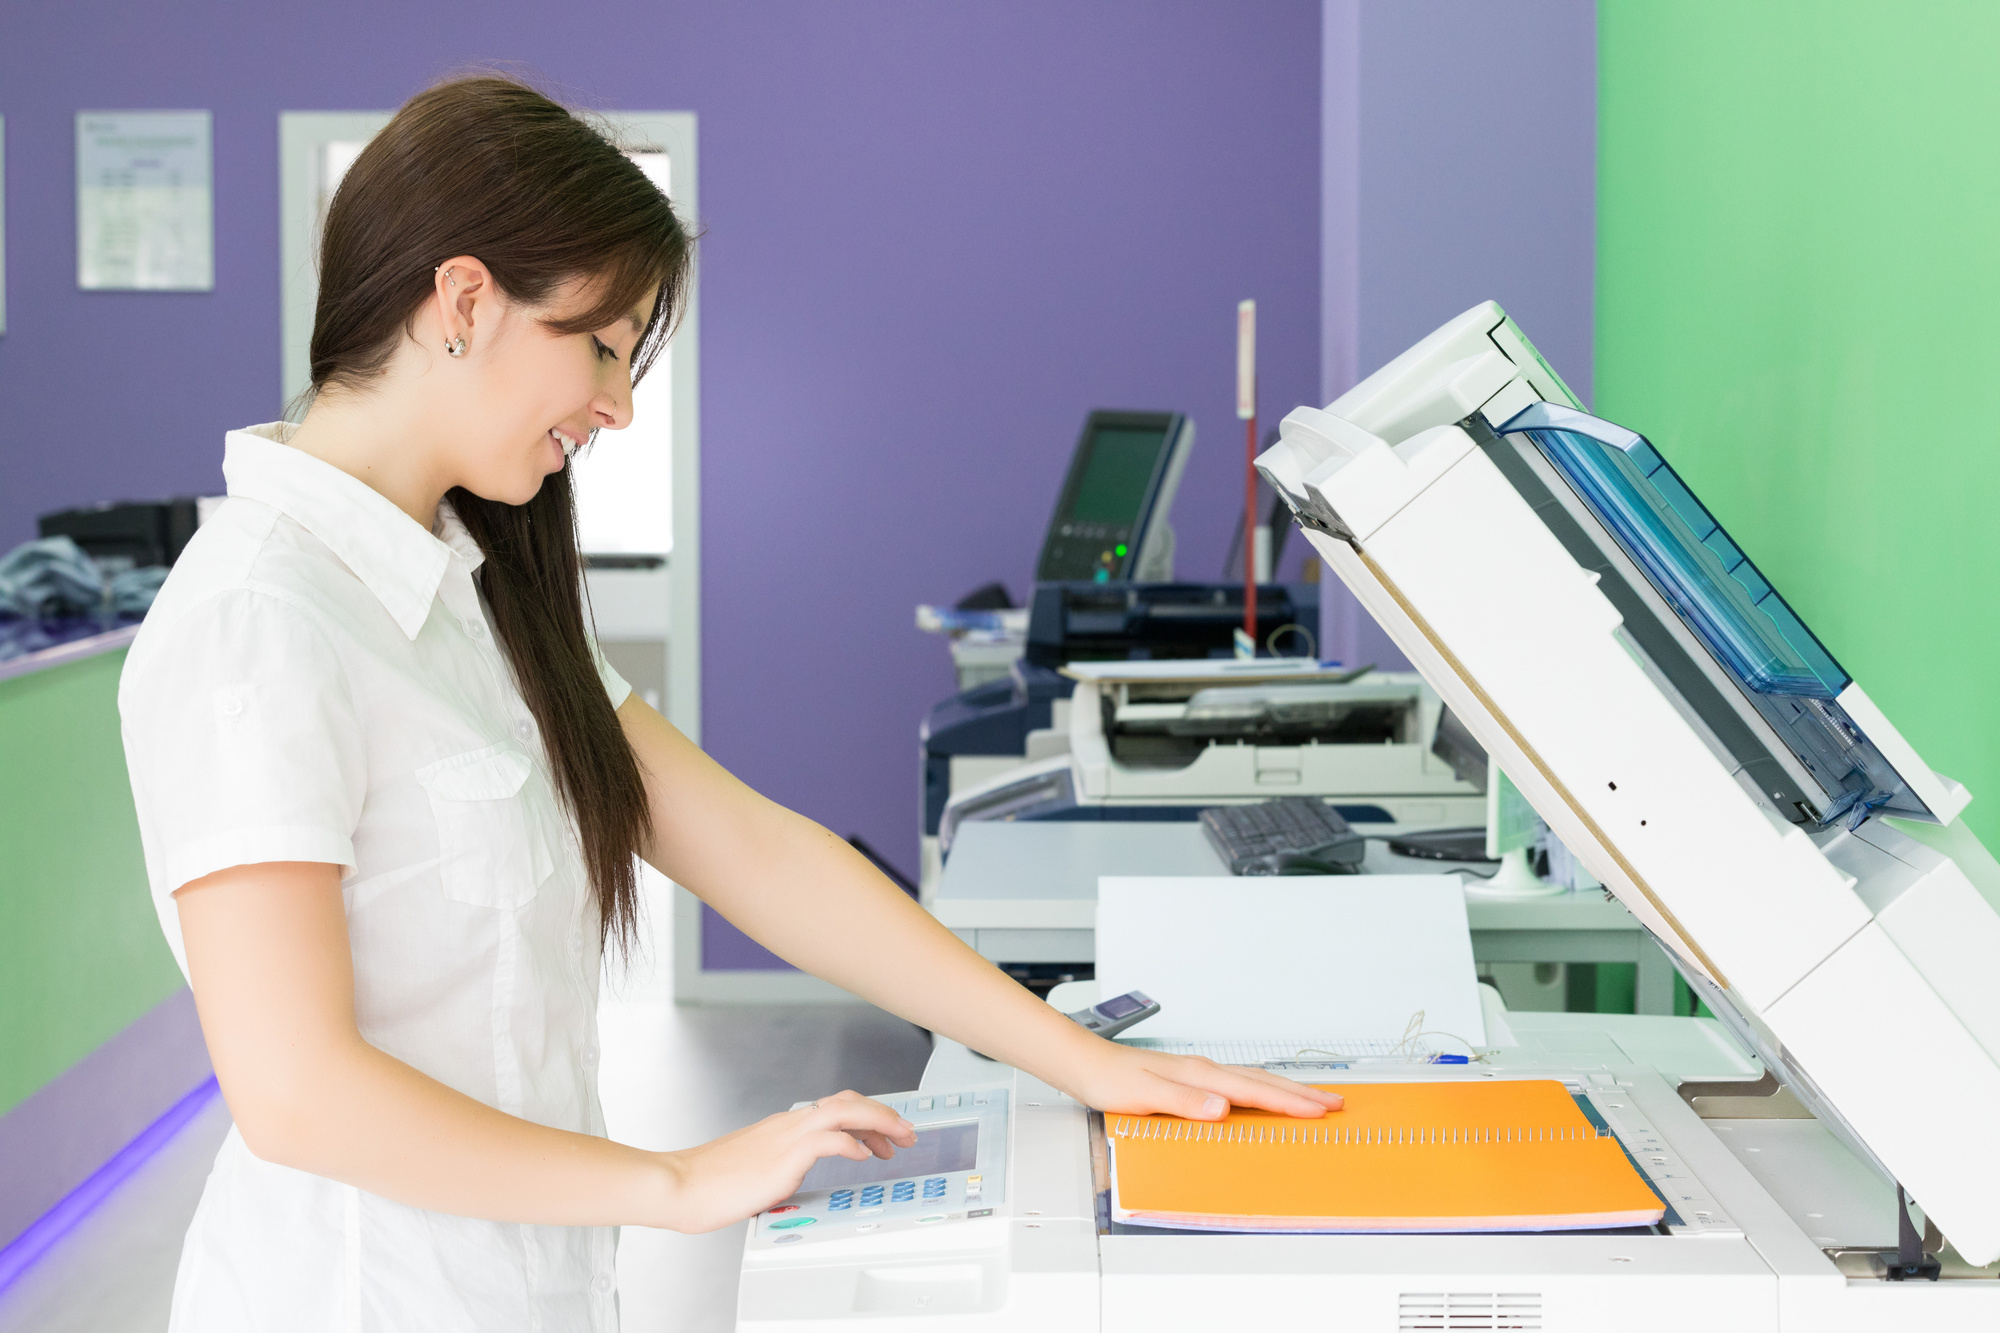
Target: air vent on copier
pixel 1469 1311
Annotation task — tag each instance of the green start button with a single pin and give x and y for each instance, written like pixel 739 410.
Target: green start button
pixel 790 1222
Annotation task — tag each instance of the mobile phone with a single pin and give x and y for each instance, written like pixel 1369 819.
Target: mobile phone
pixel 1113 1016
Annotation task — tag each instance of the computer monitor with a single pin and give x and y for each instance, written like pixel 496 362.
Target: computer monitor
pixel 1454 743
pixel 1511 836
pixel 1110 526
pixel 1511 823
pixel 1512 831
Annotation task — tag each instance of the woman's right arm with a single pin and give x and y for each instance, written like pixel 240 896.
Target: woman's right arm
pixel 268 954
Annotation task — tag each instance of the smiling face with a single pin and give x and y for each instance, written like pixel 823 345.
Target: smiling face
pixel 527 395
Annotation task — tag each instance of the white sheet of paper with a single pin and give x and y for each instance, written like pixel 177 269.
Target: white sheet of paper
pixel 144 201
pixel 1322 957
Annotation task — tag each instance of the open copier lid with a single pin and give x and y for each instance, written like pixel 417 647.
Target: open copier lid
pixel 1683 732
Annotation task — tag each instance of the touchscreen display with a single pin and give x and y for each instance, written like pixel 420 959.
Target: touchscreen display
pixel 1115 478
pixel 940 1148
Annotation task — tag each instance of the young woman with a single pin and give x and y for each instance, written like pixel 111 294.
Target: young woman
pixel 391 795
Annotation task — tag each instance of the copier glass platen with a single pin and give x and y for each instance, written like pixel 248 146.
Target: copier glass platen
pixel 1680 728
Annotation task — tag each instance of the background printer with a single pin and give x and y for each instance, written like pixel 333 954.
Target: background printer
pixel 1104 590
pixel 1162 739
pixel 993 729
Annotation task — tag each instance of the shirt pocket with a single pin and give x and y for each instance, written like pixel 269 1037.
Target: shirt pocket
pixel 490 848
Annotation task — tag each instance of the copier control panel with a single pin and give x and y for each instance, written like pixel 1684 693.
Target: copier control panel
pixel 956 1172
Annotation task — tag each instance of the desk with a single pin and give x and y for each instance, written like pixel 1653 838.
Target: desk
pixel 1027 893
pixel 101 1036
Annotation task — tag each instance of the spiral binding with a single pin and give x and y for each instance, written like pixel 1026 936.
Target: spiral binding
pixel 1369 1136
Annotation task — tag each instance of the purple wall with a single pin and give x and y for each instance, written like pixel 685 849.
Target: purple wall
pixel 938 233
pixel 1472 149
pixel 1458 164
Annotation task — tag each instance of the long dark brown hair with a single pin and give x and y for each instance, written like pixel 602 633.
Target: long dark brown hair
pixel 489 167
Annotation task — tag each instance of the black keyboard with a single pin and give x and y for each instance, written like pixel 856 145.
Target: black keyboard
pixel 1293 835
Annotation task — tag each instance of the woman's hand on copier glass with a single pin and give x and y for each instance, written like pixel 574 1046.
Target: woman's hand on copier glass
pixel 1138 1082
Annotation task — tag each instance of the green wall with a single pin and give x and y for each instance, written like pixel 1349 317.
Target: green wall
pixel 1798 301
pixel 81 955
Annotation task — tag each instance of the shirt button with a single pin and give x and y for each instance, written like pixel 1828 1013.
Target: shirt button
pixel 576 943
pixel 603 1285
pixel 475 630
pixel 524 728
pixel 590 1057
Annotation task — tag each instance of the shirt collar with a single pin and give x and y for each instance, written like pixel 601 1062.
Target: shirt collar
pixel 452 532
pixel 386 549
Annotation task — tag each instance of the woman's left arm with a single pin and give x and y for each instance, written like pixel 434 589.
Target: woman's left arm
pixel 808 897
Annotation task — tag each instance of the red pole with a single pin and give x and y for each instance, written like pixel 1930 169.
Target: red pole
pixel 1246 408
pixel 1250 529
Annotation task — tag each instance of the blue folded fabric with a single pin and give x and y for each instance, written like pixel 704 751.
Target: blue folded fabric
pixel 20 637
pixel 131 593
pixel 50 579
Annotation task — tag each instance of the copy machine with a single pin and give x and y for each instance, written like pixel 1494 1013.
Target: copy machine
pixel 1682 731
pixel 995 727
pixel 1129 705
pixel 1166 738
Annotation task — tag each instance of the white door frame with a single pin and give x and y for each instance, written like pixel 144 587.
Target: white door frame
pixel 301 136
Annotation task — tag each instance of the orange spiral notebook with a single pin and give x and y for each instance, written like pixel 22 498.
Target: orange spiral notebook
pixel 1494 1155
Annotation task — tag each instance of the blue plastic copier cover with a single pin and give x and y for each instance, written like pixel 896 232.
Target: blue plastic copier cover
pixel 1751 631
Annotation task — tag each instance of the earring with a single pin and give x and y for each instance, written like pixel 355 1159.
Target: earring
pixel 456 347
pixel 447 275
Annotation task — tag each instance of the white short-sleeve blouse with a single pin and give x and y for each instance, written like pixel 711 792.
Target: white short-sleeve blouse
pixel 317 682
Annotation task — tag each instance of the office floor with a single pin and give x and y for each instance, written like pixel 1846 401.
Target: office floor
pixel 672 1076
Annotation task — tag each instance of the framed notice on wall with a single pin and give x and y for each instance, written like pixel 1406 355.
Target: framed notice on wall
pixel 3 224
pixel 144 201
